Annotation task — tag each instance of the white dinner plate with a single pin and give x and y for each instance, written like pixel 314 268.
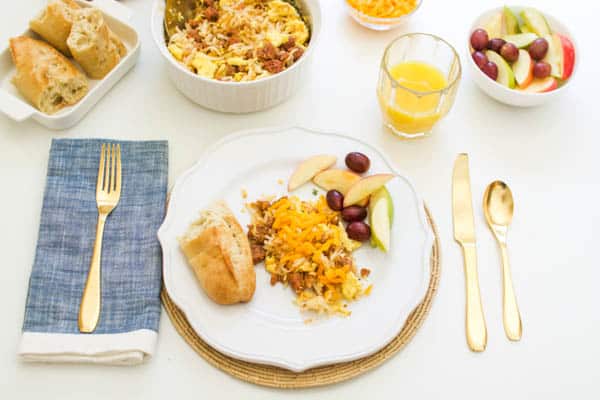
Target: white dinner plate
pixel 270 329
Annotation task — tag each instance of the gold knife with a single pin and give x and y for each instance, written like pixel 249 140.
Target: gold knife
pixel 464 234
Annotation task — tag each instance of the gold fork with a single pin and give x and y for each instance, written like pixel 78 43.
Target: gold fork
pixel 108 192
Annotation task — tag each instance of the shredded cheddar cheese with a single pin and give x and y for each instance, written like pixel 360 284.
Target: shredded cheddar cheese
pixel 307 248
pixel 384 8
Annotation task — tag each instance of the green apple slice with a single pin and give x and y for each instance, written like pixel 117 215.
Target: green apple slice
pixel 495 26
pixel 523 69
pixel 525 29
pixel 365 187
pixel 381 214
pixel 521 40
pixel 535 21
pixel 506 76
pixel 511 21
pixel 554 56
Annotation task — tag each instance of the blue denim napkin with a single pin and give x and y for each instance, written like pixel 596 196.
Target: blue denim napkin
pixel 131 256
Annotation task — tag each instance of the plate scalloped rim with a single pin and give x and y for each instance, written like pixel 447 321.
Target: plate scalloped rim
pixel 296 365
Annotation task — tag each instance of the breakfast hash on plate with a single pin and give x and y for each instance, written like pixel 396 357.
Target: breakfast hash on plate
pixel 304 245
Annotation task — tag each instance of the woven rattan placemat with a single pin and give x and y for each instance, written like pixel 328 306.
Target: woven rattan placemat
pixel 281 378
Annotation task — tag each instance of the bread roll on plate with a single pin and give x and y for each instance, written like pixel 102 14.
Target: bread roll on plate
pixel 218 252
pixel 93 45
pixel 44 76
pixel 54 23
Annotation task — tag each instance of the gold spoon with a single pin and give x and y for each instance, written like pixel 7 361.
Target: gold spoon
pixel 177 12
pixel 498 207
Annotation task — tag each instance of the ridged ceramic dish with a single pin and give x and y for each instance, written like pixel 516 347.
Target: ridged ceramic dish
pixel 270 329
pixel 238 97
pixel 17 108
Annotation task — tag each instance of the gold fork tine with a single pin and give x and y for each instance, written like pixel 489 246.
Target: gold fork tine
pixel 107 169
pixel 100 181
pixel 118 181
pixel 113 156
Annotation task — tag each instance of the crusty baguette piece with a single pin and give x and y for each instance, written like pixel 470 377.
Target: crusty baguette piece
pixel 219 253
pixel 95 47
pixel 118 43
pixel 44 76
pixel 54 23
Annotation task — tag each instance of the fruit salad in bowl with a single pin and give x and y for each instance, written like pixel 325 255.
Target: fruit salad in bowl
pixel 521 56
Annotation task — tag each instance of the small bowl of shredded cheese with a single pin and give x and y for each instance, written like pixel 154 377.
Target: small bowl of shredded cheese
pixel 381 15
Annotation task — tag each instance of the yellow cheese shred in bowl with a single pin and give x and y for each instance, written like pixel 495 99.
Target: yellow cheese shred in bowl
pixel 384 8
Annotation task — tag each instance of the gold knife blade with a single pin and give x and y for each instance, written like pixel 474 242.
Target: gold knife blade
pixel 464 234
pixel 462 205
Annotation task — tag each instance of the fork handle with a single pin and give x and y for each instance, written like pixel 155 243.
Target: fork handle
pixel 89 309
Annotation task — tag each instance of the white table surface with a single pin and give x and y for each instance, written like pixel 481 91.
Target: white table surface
pixel 548 156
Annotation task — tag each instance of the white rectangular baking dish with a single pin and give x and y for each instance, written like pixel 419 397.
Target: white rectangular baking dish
pixel 16 107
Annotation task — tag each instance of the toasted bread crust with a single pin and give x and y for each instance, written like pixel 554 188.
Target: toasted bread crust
pixel 93 45
pixel 44 76
pixel 221 259
pixel 54 23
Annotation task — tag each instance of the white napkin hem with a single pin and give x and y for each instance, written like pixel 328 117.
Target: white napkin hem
pixel 128 348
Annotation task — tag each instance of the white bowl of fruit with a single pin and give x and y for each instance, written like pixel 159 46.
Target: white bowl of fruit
pixel 521 56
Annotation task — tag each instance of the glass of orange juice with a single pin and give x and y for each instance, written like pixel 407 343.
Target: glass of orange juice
pixel 418 82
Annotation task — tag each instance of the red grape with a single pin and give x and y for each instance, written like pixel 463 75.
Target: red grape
pixel 479 39
pixel 541 69
pixel 509 52
pixel 335 200
pixel 538 48
pixel 357 162
pixel 359 231
pixel 480 58
pixel 354 213
pixel 496 44
pixel 490 69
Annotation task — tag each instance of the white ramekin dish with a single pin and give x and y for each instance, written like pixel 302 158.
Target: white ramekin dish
pixel 238 97
pixel 13 105
pixel 379 24
pixel 510 96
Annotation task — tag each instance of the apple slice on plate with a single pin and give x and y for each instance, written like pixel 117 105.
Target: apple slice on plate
pixel 308 169
pixel 541 85
pixel 506 77
pixel 338 179
pixel 568 53
pixel 365 187
pixel 381 214
pixel 523 69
